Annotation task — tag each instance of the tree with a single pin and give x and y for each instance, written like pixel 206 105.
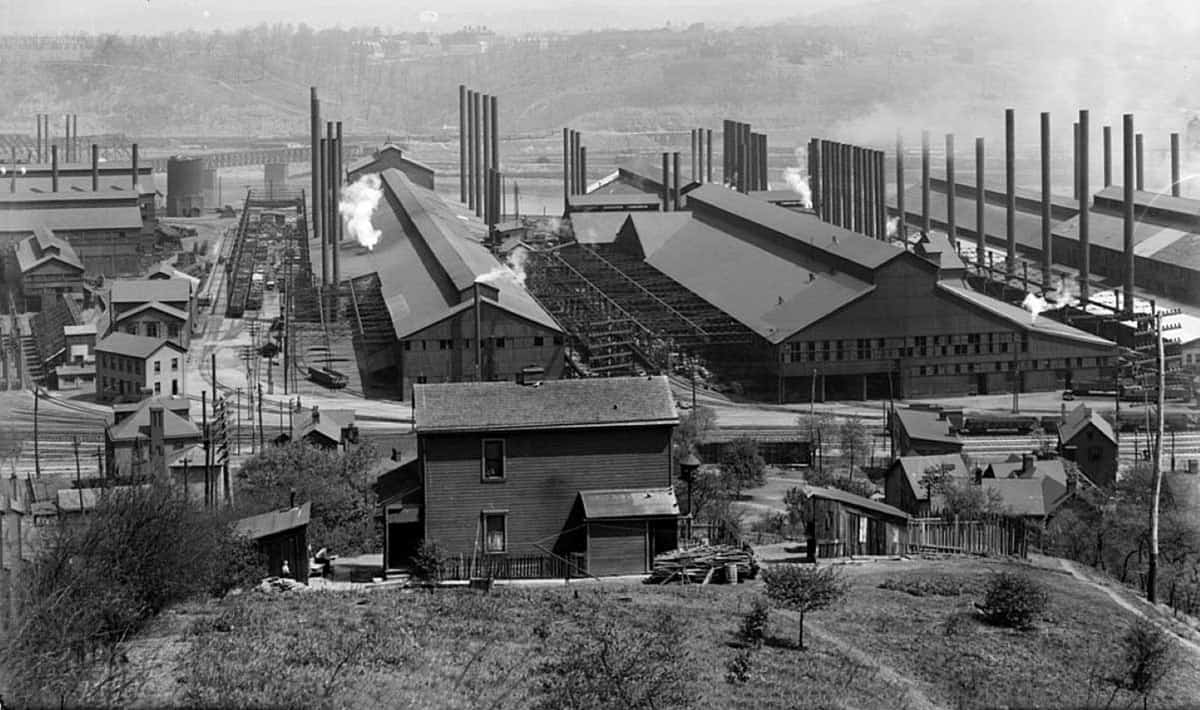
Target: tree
pixel 820 428
pixel 1148 655
pixel 857 486
pixel 268 350
pixel 694 425
pixel 855 442
pixel 742 467
pixel 802 589
pixel 337 483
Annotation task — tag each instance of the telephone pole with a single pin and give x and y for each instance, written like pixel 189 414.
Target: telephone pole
pixel 1161 377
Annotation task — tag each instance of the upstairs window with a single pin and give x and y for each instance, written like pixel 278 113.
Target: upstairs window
pixel 493 459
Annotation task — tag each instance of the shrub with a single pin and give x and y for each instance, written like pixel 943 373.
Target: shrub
pixel 429 561
pixel 1014 600
pixel 754 623
pixel 803 589
pixel 738 668
pixel 1147 658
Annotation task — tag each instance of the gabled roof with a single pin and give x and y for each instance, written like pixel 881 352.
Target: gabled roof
pixel 175 403
pixel 153 306
pixel 553 404
pixel 1013 467
pixel 174 425
pixel 936 247
pixel 374 163
pixel 1017 316
pixel 146 290
pixel 629 503
pixel 924 425
pixel 597 227
pixel 138 346
pixel 263 525
pixel 1079 419
pixel 913 468
pixel 848 498
pixel 329 424
pixel 42 247
pixel 169 271
pixel 1035 497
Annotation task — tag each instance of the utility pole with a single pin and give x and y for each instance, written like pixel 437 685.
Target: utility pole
pixel 1160 359
pixel 261 445
pixel 37 457
pixel 207 443
pixel 238 393
pixel 79 475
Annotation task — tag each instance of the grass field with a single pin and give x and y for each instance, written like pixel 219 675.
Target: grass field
pixel 458 649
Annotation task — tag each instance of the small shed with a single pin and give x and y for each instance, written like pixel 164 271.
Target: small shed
pixel 841 524
pixel 281 535
pixel 627 528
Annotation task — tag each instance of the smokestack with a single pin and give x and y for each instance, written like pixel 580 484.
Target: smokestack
pixel 814 180
pixel 470 149
pixel 462 143
pixel 869 192
pixel 1046 238
pixel 744 168
pixel 67 138
pixel 847 186
pixel 675 187
pixel 902 223
pixel 487 155
pixel 725 151
pixel 1075 162
pixel 1107 156
pixel 1141 174
pixel 980 226
pixel 583 169
pixel 575 188
pixel 339 225
pixel 315 129
pixel 329 199
pixel 133 168
pixel 320 217
pixel 1085 205
pixel 1175 165
pixel 925 216
pixel 566 157
pixel 739 160
pixel 951 224
pixel 477 149
pixel 708 156
pixel 1010 191
pixel 496 135
pixel 692 143
pixel 95 168
pixel 53 168
pixel 478 308
pixel 764 176
pixel 39 137
pixel 857 196
pixel 75 136
pixel 1128 211
pixel 752 162
pixel 880 195
pixel 666 182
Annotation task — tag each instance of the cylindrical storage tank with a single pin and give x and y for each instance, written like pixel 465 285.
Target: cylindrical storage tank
pixel 185 186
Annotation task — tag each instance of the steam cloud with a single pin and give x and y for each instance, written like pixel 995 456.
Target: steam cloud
pixel 1060 297
pixel 357 205
pixel 893 227
pixel 799 185
pixel 514 267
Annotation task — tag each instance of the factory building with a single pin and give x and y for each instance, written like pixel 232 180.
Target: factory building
pixel 812 309
pixel 431 303
pixel 391 157
pixel 48 267
pixel 106 230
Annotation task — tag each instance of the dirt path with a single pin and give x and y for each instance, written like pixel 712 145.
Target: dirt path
pixel 914 697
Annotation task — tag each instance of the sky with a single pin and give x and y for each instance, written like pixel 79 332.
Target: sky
pixel 156 16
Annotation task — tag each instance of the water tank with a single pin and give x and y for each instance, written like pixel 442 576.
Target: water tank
pixel 185 186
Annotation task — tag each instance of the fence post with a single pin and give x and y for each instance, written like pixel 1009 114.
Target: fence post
pixel 5 592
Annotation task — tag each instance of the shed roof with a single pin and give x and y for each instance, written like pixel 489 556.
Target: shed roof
pixel 99 217
pixel 146 290
pixel 856 501
pixel 263 525
pixel 553 404
pixel 44 246
pixel 138 346
pixel 629 503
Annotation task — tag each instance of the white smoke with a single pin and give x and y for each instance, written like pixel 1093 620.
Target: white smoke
pixel 893 227
pixel 356 206
pixel 1035 305
pixel 799 185
pixel 513 267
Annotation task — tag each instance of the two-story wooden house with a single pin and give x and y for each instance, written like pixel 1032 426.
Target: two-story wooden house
pixel 154 308
pixel 1088 439
pixel 577 470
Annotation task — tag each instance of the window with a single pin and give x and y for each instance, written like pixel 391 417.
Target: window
pixel 173 330
pixel 499 342
pixel 157 366
pixel 157 388
pixel 538 341
pixel 493 459
pixel 407 345
pixel 174 364
pixel 174 387
pixel 495 532
pixel 152 330
pixel 444 344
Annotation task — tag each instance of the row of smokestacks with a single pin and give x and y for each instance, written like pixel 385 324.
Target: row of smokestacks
pixel 745 154
pixel 479 155
pixel 327 178
pixel 574 165
pixel 70 141
pixel 701 142
pixel 702 154
pixel 848 186
pixel 53 150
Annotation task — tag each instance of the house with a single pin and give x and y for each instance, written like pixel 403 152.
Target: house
pixel 155 308
pixel 128 367
pixel 923 432
pixel 131 446
pixel 841 524
pixel 1026 487
pixel 326 429
pixel 577 470
pixel 281 536
pixel 78 367
pixel 1088 439
pixel 391 157
pixel 48 266
pixel 903 488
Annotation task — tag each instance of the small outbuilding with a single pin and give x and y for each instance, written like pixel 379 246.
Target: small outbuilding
pixel 281 536
pixel 627 528
pixel 841 524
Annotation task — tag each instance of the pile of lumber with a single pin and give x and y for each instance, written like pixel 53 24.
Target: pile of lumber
pixel 702 565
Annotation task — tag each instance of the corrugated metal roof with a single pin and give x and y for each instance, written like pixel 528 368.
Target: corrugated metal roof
pixel 76 183
pixel 257 527
pixel 148 290
pixel 1183 208
pixel 629 503
pixel 614 201
pixel 653 229
pixel 500 406
pixel 1019 316
pixel 1167 245
pixel 119 217
pixel 850 499
pixel 1027 225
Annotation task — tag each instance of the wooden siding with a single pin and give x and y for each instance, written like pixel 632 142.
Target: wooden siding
pixel 899 494
pixel 1096 455
pixel 544 472
pixel 840 530
pixel 618 547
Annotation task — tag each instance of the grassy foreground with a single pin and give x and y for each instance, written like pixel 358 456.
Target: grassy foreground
pixel 456 649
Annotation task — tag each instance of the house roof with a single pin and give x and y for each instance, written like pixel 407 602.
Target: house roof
pixel 924 425
pixel 848 498
pixel 175 403
pixel 1011 468
pixel 913 468
pixel 147 290
pixel 165 269
pixel 42 247
pixel 138 346
pixel 1079 419
pixel 553 404
pixel 154 306
pixel 84 329
pixel 174 425
pixel 329 424
pixel 427 259
pixel 629 503
pixel 263 525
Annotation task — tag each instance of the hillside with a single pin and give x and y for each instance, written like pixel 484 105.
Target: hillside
pixel 456 649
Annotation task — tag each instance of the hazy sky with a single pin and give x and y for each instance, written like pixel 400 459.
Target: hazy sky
pixel 155 16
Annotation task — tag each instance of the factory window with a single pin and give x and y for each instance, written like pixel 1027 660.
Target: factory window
pixel 945 350
pixel 445 344
pixel 978 348
pixel 882 343
pixel 1049 364
pixel 999 366
pixel 493 460
pixel 558 340
pixel 538 341
pixel 958 369
pixel 812 350
pixel 466 344
pixel 499 342
pixel 1078 362
pixel 921 370
pixel 970 367
pixel 1003 347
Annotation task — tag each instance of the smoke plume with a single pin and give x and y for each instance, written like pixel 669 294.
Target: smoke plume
pixel 513 267
pixel 799 185
pixel 893 227
pixel 356 206
pixel 1035 304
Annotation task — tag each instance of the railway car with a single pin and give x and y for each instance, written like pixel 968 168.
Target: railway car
pixel 980 424
pixel 327 377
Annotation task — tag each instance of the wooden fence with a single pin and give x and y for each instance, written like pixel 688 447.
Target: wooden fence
pixel 516 566
pixel 1002 536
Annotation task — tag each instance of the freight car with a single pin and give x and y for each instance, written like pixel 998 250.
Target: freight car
pixel 977 424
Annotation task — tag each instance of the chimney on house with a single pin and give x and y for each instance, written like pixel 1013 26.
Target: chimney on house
pixel 316 414
pixel 1027 465
pixel 978 476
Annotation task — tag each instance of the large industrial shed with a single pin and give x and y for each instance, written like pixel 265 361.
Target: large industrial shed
pixel 433 305
pixel 106 229
pixel 811 308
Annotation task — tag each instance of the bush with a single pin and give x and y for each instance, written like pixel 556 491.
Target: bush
pixel 738 668
pixel 1013 600
pixel 754 623
pixel 1147 658
pixel 802 589
pixel 429 561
